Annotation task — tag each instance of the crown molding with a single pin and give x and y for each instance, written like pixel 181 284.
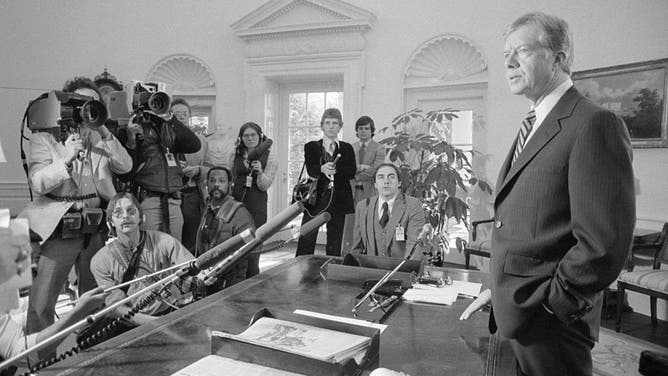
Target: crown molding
pixel 336 17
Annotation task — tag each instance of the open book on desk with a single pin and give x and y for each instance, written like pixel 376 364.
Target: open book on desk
pixel 309 341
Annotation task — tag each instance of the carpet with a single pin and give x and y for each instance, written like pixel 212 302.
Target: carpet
pixel 618 354
pixel 615 354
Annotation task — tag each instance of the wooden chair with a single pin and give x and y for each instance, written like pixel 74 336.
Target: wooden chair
pixel 652 282
pixel 478 246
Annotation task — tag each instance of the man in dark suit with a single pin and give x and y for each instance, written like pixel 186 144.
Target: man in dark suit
pixel 333 188
pixel 564 208
pixel 388 224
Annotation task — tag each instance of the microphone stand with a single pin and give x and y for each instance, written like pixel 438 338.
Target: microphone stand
pixel 382 281
pixel 165 270
pixel 90 319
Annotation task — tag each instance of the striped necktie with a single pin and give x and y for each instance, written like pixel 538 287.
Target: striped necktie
pixel 527 126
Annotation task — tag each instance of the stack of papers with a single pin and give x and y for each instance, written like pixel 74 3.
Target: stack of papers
pixel 310 341
pixel 216 365
pixel 441 295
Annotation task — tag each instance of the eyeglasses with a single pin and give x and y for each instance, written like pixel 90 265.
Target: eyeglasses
pixel 182 113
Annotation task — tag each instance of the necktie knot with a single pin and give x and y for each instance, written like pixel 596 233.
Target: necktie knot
pixel 385 217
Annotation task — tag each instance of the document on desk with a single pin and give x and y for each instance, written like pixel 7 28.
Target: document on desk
pixel 347 320
pixel 214 365
pixel 446 295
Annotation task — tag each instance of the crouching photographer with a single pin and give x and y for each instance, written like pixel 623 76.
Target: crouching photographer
pixel 154 138
pixel 71 161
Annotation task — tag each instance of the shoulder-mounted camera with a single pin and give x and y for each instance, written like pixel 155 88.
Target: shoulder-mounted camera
pixel 65 110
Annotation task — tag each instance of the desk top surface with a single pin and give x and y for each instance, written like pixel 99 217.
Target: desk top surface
pixel 420 339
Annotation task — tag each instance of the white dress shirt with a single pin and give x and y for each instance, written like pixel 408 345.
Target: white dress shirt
pixel 546 105
pixel 390 205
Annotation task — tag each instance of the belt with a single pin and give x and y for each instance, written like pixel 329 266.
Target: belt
pixel 71 198
pixel 145 193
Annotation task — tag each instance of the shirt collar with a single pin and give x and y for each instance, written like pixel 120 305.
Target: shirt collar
pixel 326 141
pixel 547 104
pixel 390 203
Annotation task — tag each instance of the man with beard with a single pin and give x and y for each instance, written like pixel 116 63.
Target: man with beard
pixel 224 218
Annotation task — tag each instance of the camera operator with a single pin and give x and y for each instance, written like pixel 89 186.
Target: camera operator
pixel 72 178
pixel 192 201
pixel 157 177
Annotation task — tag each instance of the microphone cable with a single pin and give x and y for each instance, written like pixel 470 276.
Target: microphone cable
pixel 100 334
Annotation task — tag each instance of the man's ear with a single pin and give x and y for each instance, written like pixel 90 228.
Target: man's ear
pixel 143 219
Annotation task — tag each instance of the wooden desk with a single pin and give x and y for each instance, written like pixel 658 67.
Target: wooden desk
pixel 421 340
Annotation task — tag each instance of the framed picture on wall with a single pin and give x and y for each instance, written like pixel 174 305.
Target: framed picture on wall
pixel 637 93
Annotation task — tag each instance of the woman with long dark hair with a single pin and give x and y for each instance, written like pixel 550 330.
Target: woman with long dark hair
pixel 252 179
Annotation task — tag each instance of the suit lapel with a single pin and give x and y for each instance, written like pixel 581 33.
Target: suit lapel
pixel 370 224
pixel 546 132
pixel 397 210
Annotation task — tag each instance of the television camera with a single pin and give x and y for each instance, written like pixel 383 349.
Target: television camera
pixel 149 96
pixel 59 109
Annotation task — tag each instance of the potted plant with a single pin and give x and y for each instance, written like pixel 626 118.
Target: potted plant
pixel 433 170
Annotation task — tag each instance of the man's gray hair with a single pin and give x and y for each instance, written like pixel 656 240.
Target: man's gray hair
pixel 556 35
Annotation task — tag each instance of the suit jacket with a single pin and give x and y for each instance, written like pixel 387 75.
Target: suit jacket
pixel 342 199
pixel 565 212
pixel 374 155
pixel 48 174
pixel 407 212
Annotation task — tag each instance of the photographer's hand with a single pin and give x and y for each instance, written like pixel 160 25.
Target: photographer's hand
pixel 328 168
pixel 257 166
pixel 73 145
pixel 103 131
pixel 133 130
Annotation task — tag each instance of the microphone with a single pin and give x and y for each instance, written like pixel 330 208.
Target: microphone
pixel 311 225
pixel 214 254
pixel 281 220
pixel 261 234
pixel 298 232
pixel 262 148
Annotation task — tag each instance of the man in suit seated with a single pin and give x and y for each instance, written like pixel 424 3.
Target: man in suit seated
pixel 388 224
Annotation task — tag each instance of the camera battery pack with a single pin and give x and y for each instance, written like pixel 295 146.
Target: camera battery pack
pixel 71 225
pixel 92 217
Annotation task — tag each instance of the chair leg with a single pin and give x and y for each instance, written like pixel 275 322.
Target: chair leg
pixel 620 298
pixel 652 310
pixel 467 259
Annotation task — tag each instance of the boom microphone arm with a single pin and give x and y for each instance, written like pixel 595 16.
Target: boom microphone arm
pixel 261 234
pixel 306 229
pixel 90 319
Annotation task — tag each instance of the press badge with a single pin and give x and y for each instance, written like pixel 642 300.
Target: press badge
pixel 399 234
pixel 249 181
pixel 171 161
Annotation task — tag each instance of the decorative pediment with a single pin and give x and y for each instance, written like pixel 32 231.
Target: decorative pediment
pixel 183 74
pixel 445 59
pixel 282 18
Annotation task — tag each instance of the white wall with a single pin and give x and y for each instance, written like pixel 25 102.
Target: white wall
pixel 44 43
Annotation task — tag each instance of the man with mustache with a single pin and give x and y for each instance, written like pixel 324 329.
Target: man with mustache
pixel 133 253
pixel 224 218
